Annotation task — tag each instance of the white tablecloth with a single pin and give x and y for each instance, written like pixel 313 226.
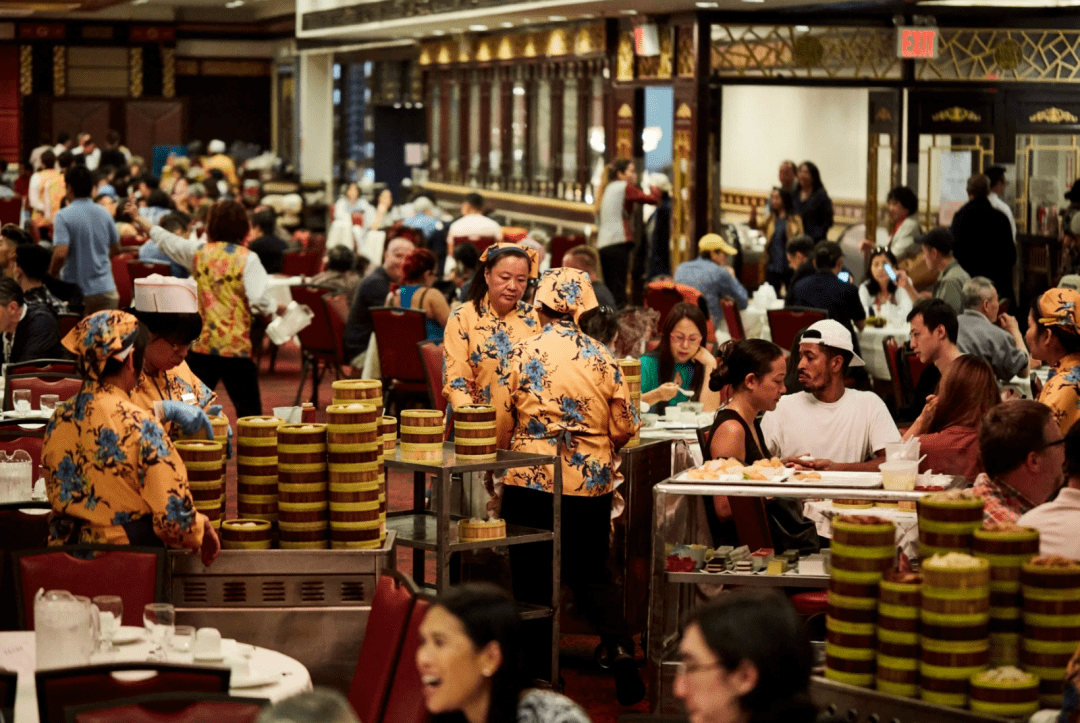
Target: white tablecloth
pixel 873 352
pixel 277 288
pixel 755 320
pixel 822 512
pixel 290 677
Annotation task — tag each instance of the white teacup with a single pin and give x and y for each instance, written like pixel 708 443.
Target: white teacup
pixel 207 644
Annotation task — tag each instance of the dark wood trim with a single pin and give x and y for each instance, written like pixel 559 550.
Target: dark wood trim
pixel 585 103
pixel 464 119
pixel 506 137
pixel 558 103
pixel 444 125
pixel 484 171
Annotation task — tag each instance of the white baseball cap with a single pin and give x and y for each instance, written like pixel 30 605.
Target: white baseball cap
pixel 829 332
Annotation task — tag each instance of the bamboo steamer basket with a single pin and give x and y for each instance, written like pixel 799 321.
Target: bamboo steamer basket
pixel 301 447
pixel 1015 699
pixel 474 433
pixel 368 391
pixel 956 578
pixel 1051 630
pixel 257 486
pixel 361 545
pixel 254 427
pixel 947 601
pixel 422 432
pixel 292 493
pixel 898 613
pixel 354 493
pixel 897 675
pixel 388 433
pixel 359 473
pixel 345 454
pixel 304 533
pixel 1006 550
pixel 202 458
pixel 854 666
pixel 947 522
pixel 219 423
pixel 345 512
pixel 852 609
pixel 955 605
pixel 243 534
pixel 631 371
pixel 352 423
pixel 207 491
pixel 863 544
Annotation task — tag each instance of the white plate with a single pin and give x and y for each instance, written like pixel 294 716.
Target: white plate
pixel 781 476
pixel 126 634
pixel 860 480
pixel 209 658
pixel 252 680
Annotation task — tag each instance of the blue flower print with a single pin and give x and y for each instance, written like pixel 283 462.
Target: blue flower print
pixel 485 394
pixel 459 384
pixel 501 341
pixel 109 451
pixel 71 482
pixel 571 291
pixel 589 350
pixel 534 370
pixel 1073 375
pixel 177 510
pixel 571 410
pixel 577 459
pixel 99 329
pixel 121 518
pixel 91 501
pixel 475 358
pixel 618 374
pixel 536 429
pixel 153 435
pixel 597 476
pixel 81 400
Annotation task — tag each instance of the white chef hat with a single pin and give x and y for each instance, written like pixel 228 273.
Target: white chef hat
pixel 216 146
pixel 165 294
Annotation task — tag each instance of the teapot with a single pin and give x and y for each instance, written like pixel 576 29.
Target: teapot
pixel 65 629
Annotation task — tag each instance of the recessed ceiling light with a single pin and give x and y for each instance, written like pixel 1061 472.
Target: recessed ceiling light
pixel 478 28
pixel 802 28
pixel 628 12
pixel 753 1
pixel 234 4
pixel 557 18
pixel 506 25
pixel 438 32
pixel 707 5
pixel 139 2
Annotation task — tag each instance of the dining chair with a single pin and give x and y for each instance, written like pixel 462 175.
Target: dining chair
pixel 433 355
pixel 64 386
pixel 733 319
pixel 36 366
pixel 9 685
pixel 169 707
pixel 320 346
pixel 137 574
pixel 785 324
pixel 61 688
pixel 405 703
pixel 402 368
pixel 23 526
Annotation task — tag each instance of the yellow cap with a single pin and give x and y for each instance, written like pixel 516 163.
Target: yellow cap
pixel 716 242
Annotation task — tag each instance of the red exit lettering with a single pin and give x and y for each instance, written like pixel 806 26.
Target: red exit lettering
pixel 917 42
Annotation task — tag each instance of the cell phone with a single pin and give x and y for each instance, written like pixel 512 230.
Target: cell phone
pixel 844 276
pixel 892 274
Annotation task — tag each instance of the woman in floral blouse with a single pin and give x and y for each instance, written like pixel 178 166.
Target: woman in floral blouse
pixel 1053 335
pixel 567 396
pixel 111 472
pixel 480 333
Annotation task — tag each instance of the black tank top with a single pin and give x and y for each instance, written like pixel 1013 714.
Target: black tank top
pixel 723 531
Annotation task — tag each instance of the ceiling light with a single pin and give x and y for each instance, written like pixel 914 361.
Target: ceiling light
pixel 587 16
pixel 802 28
pixel 139 2
pixel 557 18
pixel 707 5
pixel 519 90
pixel 234 4
pixel 506 24
pixel 628 12
pixel 438 32
pixel 478 28
pixel 753 1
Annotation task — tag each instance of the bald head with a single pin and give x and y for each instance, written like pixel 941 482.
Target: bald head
pixel 396 251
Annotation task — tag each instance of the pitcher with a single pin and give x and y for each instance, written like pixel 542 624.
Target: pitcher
pixel 65 629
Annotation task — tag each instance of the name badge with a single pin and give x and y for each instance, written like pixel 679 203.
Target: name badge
pixel 189 398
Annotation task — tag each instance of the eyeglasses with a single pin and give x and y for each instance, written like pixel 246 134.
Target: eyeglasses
pixel 682 668
pixel 680 340
pixel 1048 445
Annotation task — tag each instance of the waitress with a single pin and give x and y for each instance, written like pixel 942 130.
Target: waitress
pixel 111 472
pixel 567 393
pixel 168 313
pixel 480 332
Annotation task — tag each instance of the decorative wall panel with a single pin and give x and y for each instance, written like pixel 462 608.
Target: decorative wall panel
pixel 981 55
pixel 819 52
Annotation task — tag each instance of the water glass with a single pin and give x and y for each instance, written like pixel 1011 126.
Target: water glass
pixel 160 622
pixel 20 401
pixel 111 611
pixel 183 639
pixel 47 403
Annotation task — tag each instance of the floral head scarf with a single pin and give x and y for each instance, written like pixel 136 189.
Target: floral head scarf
pixel 1058 309
pixel 567 291
pixel 100 337
pixel 495 249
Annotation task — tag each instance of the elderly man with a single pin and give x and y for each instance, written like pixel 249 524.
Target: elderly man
pixel 934 331
pixel 1023 452
pixel 984 241
pixel 937 251
pixel 1057 521
pixel 710 274
pixel 30 331
pixel 843 429
pixel 585 258
pixel 426 216
pixel 987 333
pixel 372 293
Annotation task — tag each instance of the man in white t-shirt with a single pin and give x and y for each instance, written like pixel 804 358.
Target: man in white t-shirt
pixel 473 222
pixel 842 429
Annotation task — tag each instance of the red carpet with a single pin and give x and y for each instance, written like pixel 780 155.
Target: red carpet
pixel 585 682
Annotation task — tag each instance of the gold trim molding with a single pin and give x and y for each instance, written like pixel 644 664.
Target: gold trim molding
pixel 59 56
pixel 135 72
pixel 625 111
pixel 956 114
pixel 26 69
pixel 1053 115
pixel 168 72
pixel 560 42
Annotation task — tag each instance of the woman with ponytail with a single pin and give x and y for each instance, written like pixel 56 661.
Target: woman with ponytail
pixel 615 201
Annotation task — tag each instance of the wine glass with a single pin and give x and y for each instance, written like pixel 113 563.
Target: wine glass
pixel 111 610
pixel 47 403
pixel 20 401
pixel 160 622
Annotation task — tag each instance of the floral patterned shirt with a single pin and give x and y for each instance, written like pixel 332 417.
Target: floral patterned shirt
pixel 1062 391
pixel 178 384
pixel 1003 503
pixel 219 270
pixel 566 387
pixel 107 463
pixel 477 349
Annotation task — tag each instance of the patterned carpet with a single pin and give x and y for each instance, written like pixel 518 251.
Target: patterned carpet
pixel 587 684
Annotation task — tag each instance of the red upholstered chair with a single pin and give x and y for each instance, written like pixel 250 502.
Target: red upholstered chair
pixel 301 263
pixel 61 688
pixel 20 529
pixel 915 367
pixel 480 242
pixel 560 245
pixel 137 574
pixel 733 319
pixel 170 708
pixel 67 321
pixel 141 269
pixel 35 366
pixel 391 608
pixel 406 701
pixel 403 370
pixel 514 234
pixel 433 356
pixel 132 241
pixel 320 345
pixel 25 434
pixel 65 386
pixel 121 278
pixel 10 209
pixel 892 360
pixel 786 323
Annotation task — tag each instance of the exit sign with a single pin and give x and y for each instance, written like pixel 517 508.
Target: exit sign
pixel 916 42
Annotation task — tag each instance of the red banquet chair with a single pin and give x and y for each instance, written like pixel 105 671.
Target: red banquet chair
pixel 62 385
pixel 560 245
pixel 170 708
pixel 320 341
pixel 398 333
pixel 391 608
pixel 36 366
pixel 733 319
pixel 301 263
pixel 138 269
pixel 406 701
pixel 61 688
pixel 10 210
pixel 432 354
pixel 892 360
pixel 480 242
pixel 786 323
pixel 67 323
pixel 25 434
pixel 23 526
pixel 121 277
pixel 135 573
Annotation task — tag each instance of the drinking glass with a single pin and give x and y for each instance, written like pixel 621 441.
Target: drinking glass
pixel 111 610
pixel 20 399
pixel 183 639
pixel 47 404
pixel 160 622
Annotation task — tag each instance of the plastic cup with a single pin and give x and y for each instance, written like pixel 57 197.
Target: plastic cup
pixel 899 474
pixel 902 450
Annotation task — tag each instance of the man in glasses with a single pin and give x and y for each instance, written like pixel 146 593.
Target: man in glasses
pixel 1024 454
pixel 1057 521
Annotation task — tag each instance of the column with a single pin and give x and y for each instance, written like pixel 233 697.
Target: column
pixel 317 118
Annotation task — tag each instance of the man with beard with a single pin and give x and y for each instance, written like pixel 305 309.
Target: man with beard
pixel 840 428
pixel 1023 451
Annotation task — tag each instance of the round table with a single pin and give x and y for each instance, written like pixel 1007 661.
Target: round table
pixel 822 512
pixel 285 676
pixel 872 350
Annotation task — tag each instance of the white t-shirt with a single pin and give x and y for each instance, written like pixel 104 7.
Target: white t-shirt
pixel 474 224
pixel 1056 522
pixel 850 430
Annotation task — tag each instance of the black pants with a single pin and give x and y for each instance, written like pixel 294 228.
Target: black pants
pixel 615 263
pixel 241 379
pixel 586 523
pixel 779 280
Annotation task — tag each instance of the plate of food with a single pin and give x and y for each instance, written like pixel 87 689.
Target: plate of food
pixel 829 478
pixel 732 471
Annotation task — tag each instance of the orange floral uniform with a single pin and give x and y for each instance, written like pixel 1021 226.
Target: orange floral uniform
pixel 178 384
